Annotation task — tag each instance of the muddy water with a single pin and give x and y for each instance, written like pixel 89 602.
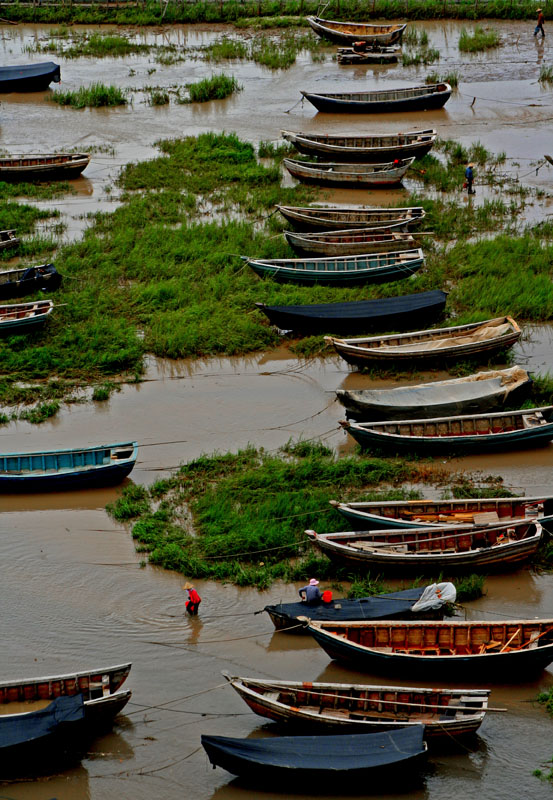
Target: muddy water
pixel 72 591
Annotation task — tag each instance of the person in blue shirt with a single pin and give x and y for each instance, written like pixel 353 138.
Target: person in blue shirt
pixel 311 591
pixel 469 178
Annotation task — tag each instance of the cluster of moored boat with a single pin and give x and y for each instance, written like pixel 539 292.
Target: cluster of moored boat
pixel 403 633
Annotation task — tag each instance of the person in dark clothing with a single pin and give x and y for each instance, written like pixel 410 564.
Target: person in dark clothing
pixel 312 594
pixel 194 599
pixel 469 178
pixel 539 26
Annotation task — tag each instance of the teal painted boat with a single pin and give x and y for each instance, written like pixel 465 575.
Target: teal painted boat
pixel 472 433
pixel 342 271
pixel 23 317
pixel 67 469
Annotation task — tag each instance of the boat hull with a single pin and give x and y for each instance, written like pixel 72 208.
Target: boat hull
pixel 325 219
pixel 42 167
pixel 15 285
pixel 372 34
pixel 362 154
pixel 337 105
pixel 340 246
pixel 29 78
pixel 308 172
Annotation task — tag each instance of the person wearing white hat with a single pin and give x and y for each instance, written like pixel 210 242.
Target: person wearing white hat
pixel 539 26
pixel 312 594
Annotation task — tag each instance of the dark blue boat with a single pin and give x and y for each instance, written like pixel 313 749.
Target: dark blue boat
pixel 27 734
pixel 29 77
pixel 388 313
pixel 25 280
pixel 319 759
pixel 395 605
pixel 67 469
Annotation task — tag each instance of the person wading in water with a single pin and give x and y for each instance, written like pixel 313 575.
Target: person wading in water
pixel 539 26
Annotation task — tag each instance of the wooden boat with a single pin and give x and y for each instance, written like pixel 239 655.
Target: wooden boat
pixel 481 391
pixel 371 54
pixel 394 605
pixel 427 550
pixel 439 344
pixel 508 650
pixel 384 101
pixel 341 217
pixel 41 734
pixel 439 513
pixel 99 688
pixel 8 239
pixel 348 242
pixel 42 166
pixel 345 271
pixel 350 32
pixel 29 77
pixel 102 465
pixel 24 317
pixel 389 313
pixel 355 176
pixel 318 759
pixel 470 433
pixel 365 148
pixel 25 280
pixel 354 707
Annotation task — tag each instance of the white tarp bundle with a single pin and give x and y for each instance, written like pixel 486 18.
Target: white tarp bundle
pixel 435 596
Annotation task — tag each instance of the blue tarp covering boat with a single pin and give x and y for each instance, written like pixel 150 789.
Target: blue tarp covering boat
pixel 29 77
pixel 66 469
pixel 318 758
pixel 21 733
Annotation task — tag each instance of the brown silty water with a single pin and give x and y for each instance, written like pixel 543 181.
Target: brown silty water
pixel 72 591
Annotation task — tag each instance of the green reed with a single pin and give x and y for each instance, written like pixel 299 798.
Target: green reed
pixel 93 96
pixel 480 39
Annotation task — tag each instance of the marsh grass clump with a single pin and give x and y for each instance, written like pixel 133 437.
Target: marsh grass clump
pixel 470 587
pixel 226 49
pixel 249 511
pixel 266 50
pixel 275 150
pixel 93 96
pixel 546 74
pixel 158 97
pixel 480 39
pixel 217 87
pixel 450 77
pixel 425 55
pixel 96 45
pixel 40 413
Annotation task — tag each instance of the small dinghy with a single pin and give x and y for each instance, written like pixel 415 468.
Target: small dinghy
pixel 363 53
pixel 326 218
pixel 42 166
pixel 354 707
pixel 389 313
pixel 482 391
pixel 318 760
pixel 385 101
pixel 370 148
pixel 350 32
pixel 470 433
pixel 29 77
pixel 354 176
pixel 345 271
pixel 8 239
pixel 24 317
pixel 348 243
pixel 25 280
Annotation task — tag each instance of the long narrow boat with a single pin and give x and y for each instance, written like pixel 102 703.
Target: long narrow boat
pixel 25 280
pixel 42 166
pixel 438 344
pixel 433 550
pixel 354 176
pixel 8 239
pixel 319 760
pixel 508 650
pixel 99 689
pixel 384 101
pixel 350 32
pixel 41 734
pixel 439 513
pixel 102 465
pixel 23 317
pixel 354 708
pixel 406 604
pixel 29 77
pixel 365 148
pixel 345 271
pixel 325 218
pixel 482 391
pixel 389 313
pixel 371 54
pixel 348 242
pixel 470 433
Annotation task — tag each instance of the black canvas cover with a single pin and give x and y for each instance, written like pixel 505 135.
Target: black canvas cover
pixel 325 755
pixel 22 729
pixel 388 313
pixel 382 606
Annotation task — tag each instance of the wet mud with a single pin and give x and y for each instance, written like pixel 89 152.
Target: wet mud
pixel 73 593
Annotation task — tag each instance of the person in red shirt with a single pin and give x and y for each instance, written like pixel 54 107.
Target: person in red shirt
pixel 194 599
pixel 539 26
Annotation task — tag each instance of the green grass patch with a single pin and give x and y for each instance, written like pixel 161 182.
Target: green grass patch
pixel 93 96
pixel 275 53
pixel 546 74
pixel 480 39
pixel 95 45
pixel 424 55
pixel 216 87
pixel 41 412
pixel 449 77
